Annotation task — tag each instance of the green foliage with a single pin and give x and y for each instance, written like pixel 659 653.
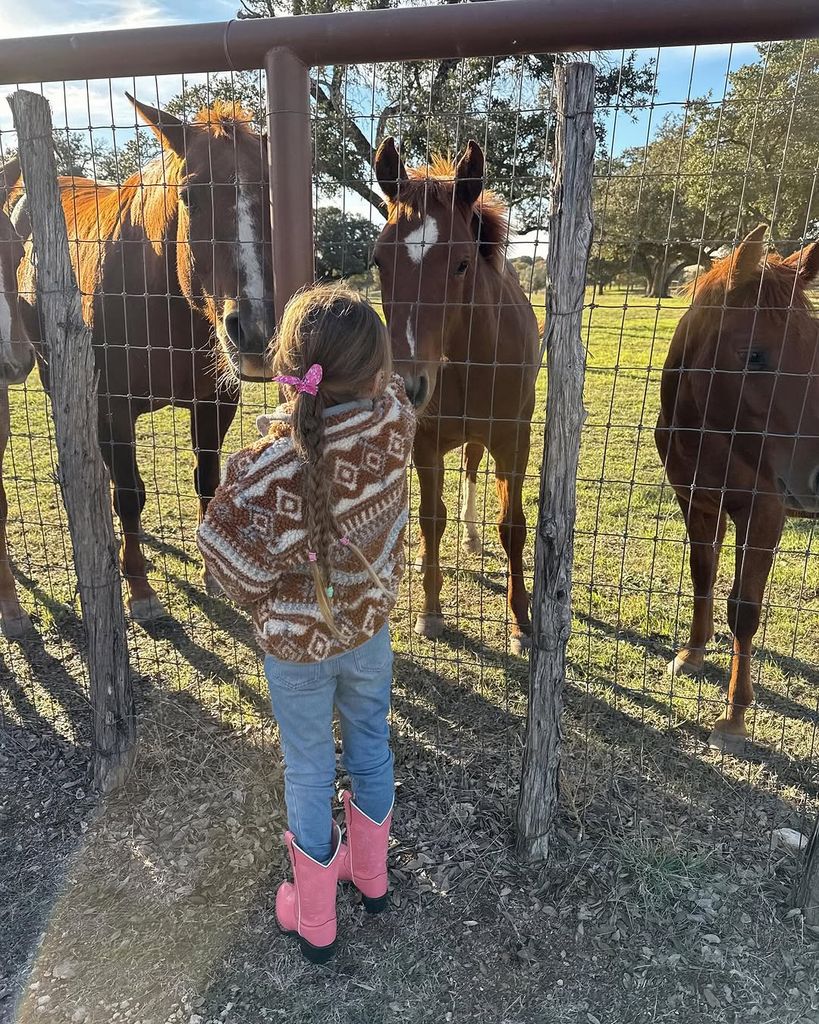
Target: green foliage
pixel 344 243
pixel 753 158
pixel 437 106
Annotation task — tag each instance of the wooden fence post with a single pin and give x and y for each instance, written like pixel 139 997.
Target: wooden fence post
pixel 83 477
pixel 570 235
pixel 808 890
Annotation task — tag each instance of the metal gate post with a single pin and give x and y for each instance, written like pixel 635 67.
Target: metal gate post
pixel 290 155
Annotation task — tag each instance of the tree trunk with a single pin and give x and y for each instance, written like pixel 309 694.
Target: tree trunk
pixel 84 480
pixel 658 284
pixel 570 234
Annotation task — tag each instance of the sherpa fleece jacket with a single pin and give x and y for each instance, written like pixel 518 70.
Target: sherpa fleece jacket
pixel 253 537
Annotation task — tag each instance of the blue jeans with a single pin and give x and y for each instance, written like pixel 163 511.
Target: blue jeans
pixel 303 696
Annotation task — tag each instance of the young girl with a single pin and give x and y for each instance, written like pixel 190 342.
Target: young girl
pixel 307 530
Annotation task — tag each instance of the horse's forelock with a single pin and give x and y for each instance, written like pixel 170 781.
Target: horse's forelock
pixel 774 285
pixel 224 118
pixel 436 182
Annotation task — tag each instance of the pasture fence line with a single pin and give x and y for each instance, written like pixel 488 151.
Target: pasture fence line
pixel 82 475
pixel 570 238
pixel 286 49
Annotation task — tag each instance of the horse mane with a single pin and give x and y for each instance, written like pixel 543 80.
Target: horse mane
pixel 148 199
pixel 225 117
pixel 437 180
pixel 775 284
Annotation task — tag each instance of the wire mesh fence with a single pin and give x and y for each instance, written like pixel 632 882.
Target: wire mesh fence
pixel 694 148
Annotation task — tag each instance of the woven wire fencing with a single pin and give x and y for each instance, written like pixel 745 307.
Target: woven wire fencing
pixel 694 149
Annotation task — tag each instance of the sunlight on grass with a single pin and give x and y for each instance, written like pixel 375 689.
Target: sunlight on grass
pixel 632 593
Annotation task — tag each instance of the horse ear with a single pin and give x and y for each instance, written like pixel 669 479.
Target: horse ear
pixel 807 263
pixel 469 175
pixel 168 129
pixel 747 256
pixel 9 176
pixel 389 169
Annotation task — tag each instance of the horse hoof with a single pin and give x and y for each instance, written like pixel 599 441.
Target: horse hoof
pixel 681 665
pixel 213 588
pixel 521 643
pixel 147 609
pixel 727 742
pixel 472 545
pixel 430 625
pixel 17 625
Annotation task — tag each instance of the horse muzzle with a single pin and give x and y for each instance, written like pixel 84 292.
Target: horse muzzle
pixel 16 364
pixel 246 332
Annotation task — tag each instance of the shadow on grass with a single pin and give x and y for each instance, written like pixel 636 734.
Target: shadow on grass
pixel 205 661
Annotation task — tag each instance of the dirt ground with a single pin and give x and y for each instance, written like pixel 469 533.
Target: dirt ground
pixel 157 905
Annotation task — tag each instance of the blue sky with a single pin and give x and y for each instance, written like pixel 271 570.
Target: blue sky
pixel 681 72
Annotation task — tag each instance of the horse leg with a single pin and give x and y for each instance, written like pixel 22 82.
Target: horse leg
pixel 472 455
pixel 758 531
pixel 510 470
pixel 706 531
pixel 117 445
pixel 210 422
pixel 13 620
pixel 429 463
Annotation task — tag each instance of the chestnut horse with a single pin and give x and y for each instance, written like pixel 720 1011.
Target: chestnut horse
pixel 16 362
pixel 738 433
pixel 174 267
pixel 465 339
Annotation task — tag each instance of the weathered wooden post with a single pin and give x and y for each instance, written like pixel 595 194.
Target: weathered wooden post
pixel 570 234
pixel 808 890
pixel 84 480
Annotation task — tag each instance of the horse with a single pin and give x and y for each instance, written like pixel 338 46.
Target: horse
pixel 738 433
pixel 16 363
pixel 174 268
pixel 465 340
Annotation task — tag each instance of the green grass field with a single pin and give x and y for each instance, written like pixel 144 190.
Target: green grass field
pixel 631 593
pixel 638 776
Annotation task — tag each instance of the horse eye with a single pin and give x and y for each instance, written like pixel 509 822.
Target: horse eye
pixel 188 198
pixel 754 359
pixel 462 268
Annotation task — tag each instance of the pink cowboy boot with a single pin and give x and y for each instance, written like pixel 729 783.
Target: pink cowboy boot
pixel 306 907
pixel 363 859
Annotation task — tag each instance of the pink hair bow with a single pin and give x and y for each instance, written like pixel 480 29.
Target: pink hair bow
pixel 308 384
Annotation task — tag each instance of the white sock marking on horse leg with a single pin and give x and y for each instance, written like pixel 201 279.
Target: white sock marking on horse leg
pixel 469 513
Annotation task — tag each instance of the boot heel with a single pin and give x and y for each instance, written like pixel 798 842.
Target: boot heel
pixel 316 954
pixel 374 904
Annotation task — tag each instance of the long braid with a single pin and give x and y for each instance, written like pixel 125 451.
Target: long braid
pixel 342 333
pixel 308 437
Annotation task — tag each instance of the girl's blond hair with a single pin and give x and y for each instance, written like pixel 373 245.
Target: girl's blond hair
pixel 340 331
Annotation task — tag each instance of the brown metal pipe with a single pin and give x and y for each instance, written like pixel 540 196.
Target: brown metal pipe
pixel 290 153
pixel 451 30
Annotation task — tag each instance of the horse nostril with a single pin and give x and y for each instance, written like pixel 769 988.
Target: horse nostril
pixel 417 389
pixel 233 326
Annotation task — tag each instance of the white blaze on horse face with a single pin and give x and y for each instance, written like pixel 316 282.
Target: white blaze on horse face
pixel 249 233
pixel 419 241
pixel 410 335
pixel 5 316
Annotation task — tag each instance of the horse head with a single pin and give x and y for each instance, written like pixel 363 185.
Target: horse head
pixel 216 172
pixel 752 357
pixel 441 228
